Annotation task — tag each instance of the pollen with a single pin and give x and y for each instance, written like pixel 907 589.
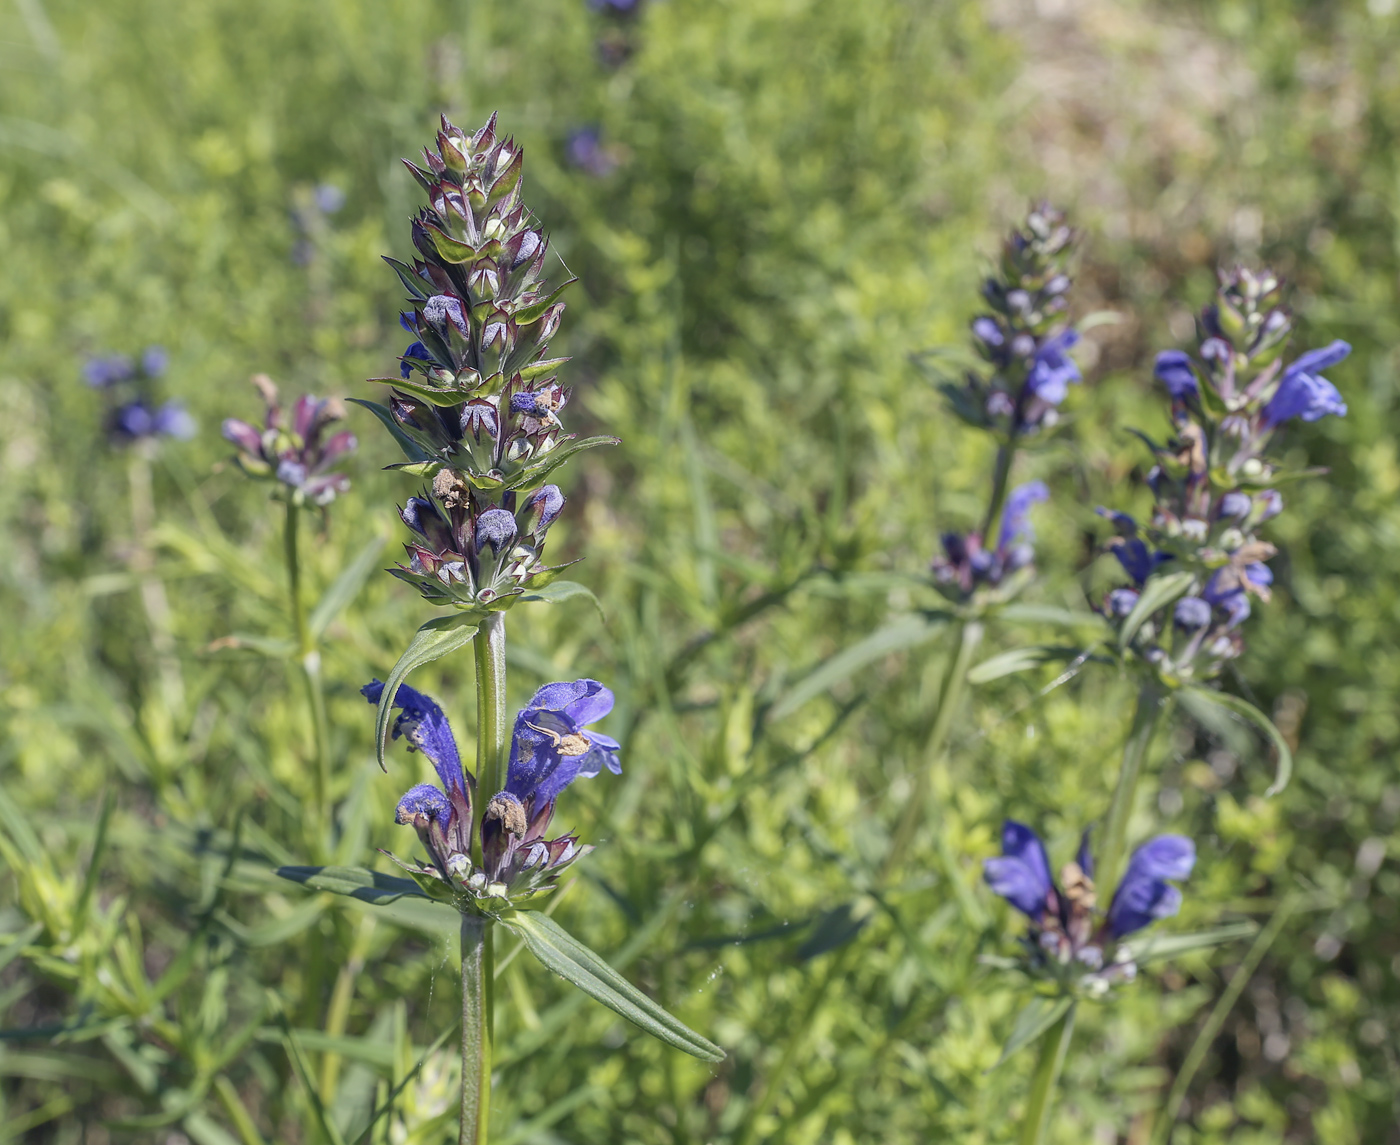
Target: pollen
pixel 572 745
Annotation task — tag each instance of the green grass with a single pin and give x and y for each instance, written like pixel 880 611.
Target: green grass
pixel 806 195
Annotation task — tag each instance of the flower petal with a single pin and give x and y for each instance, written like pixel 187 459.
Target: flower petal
pixel 426 728
pixel 1022 874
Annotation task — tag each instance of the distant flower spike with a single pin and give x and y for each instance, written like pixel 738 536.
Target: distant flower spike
pixel 1212 483
pixel 294 451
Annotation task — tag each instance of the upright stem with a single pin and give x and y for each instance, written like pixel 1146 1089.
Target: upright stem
pixel 151 587
pixel 1006 454
pixel 1054 1045
pixel 310 660
pixel 1147 718
pixel 477 973
pixel 489 650
pixel 478 947
pixel 967 635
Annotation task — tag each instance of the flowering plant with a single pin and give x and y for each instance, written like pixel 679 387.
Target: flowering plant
pixel 475 408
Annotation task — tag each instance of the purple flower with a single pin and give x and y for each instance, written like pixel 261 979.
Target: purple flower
pixel 495 527
pixel 298 455
pixel 1144 895
pixel 1173 370
pixel 1303 392
pixel 329 198
pixel 584 150
pixel 1022 875
pixel 1122 601
pixel 416 350
pixel 1235 504
pixel 1225 590
pixel 102 372
pixel 441 309
pixel 986 328
pixel 552 746
pixel 136 420
pixel 549 503
pixel 422 723
pixel 1015 519
pixel 154 361
pixel 424 800
pixel 1052 369
pixel 1192 612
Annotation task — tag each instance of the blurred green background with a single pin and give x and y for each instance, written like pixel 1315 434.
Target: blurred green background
pixel 785 201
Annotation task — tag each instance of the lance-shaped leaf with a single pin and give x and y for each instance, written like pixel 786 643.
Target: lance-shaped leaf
pixel 536 471
pixel 433 394
pixel 1158 947
pixel 1039 1014
pixel 1018 660
pixel 411 449
pixel 353 882
pixel 1159 592
pixel 346 586
pixel 559 951
pixel 431 642
pixel 1247 711
pixel 560 590
pixel 897 636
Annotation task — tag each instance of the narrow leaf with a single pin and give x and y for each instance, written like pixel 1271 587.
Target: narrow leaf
pixel 434 395
pixel 353 882
pixel 1158 947
pixel 346 586
pixel 1039 1014
pixel 1018 660
pixel 535 473
pixel 560 952
pixel 834 928
pixel 1247 711
pixel 1159 591
pixel 906 632
pixel 562 590
pixel 431 642
pixel 411 449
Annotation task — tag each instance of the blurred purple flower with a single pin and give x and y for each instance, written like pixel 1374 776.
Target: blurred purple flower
pixel 584 149
pixel 102 372
pixel 1173 370
pixel 1303 392
pixel 329 198
pixel 1144 895
pixel 1052 369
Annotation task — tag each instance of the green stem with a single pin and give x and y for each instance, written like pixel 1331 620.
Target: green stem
pixel 797 1042
pixel 151 587
pixel 967 635
pixel 489 651
pixel 310 661
pixel 1006 454
pixel 1148 716
pixel 477 975
pixel 1161 1132
pixel 1053 1048
pixel 478 945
